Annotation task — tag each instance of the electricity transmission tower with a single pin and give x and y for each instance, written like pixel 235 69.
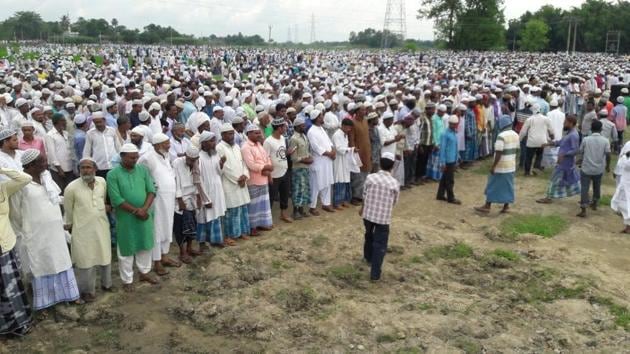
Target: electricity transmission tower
pixel 395 22
pixel 613 39
pixel 312 28
pixel 289 34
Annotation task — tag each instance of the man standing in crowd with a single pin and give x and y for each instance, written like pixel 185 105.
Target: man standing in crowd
pixel 101 144
pixel 321 172
pixel 380 194
pixel 131 191
pixel 537 131
pixel 595 156
pixel 360 140
pixel 500 186
pixel 276 148
pixel 157 162
pixel 448 159
pixel 211 196
pixel 301 157
pixel 60 157
pixel 85 208
pixel 260 168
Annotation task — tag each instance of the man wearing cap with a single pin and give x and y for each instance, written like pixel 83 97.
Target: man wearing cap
pixel 101 144
pixel 188 186
pixel 434 169
pixel 85 215
pixel 342 192
pixel 321 170
pixel 179 141
pixel 609 130
pixel 60 157
pixel 131 191
pixel 500 186
pixel 619 116
pixel 217 121
pixel 239 127
pixel 537 131
pixel 275 146
pixel 259 164
pixel 136 108
pixel 36 219
pixel 360 140
pixel 556 117
pixel 158 163
pixel 211 196
pixel 19 115
pixel 301 157
pixel 234 181
pixel 109 111
pixel 375 141
pixel 448 160
pixel 380 194
pixel 10 156
pixel 29 140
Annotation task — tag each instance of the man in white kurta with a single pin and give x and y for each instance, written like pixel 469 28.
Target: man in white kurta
pixel 234 180
pixel 341 165
pixel 85 215
pixel 621 200
pixel 37 222
pixel 213 206
pixel 158 163
pixel 321 171
pixel 10 156
pixel 550 155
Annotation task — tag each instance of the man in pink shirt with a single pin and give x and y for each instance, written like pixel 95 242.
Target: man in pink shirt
pixel 260 167
pixel 29 140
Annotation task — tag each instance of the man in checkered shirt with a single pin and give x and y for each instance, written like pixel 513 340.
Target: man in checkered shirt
pixel 380 193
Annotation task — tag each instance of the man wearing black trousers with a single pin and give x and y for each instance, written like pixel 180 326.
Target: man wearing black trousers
pixel 448 157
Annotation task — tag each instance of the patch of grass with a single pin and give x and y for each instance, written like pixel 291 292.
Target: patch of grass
pixel 546 226
pixel 4 52
pixel 409 350
pixel 319 240
pixel 346 274
pixel 107 338
pixel 468 346
pixel 506 254
pixel 415 259
pixel 296 299
pixel 543 287
pixel 217 77
pixel 605 200
pixel 621 313
pixel 454 251
pixel 425 306
pixel 385 338
pixel 279 265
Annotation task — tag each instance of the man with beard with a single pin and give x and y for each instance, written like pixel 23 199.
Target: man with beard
pixel 85 215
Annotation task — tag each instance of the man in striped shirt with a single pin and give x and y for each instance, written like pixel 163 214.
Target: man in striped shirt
pixel 380 193
pixel 500 187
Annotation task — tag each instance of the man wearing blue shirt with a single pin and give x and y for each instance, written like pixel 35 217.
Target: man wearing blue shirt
pixel 448 159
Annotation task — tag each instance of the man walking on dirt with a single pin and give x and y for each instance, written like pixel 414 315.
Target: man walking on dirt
pixel 380 193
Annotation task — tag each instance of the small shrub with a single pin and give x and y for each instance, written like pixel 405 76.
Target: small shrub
pixel 621 313
pixel 546 226
pixel 454 251
pixel 346 274
pixel 506 254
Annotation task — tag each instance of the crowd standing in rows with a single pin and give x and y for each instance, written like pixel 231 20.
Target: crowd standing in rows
pixel 196 144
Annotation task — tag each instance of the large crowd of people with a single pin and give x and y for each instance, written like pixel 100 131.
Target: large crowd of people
pixel 195 144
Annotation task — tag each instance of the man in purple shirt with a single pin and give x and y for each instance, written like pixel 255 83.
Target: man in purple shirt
pixel 618 116
pixel 565 181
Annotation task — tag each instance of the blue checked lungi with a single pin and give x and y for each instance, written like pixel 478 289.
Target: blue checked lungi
pixel 500 188
pixel 300 187
pixel 559 189
pixel 236 222
pixel 259 207
pixel 341 193
pixel 434 167
pixel 50 290
pixel 15 312
pixel 210 232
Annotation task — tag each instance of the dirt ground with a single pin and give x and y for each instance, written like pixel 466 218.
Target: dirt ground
pixel 303 288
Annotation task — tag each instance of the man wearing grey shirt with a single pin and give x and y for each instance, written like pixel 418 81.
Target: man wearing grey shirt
pixel 595 156
pixel 589 117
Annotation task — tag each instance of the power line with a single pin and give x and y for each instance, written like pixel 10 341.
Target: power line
pixel 313 28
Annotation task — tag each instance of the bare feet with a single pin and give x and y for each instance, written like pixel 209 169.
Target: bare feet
pixel 186 258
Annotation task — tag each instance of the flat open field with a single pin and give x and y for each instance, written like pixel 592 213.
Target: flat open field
pixel 453 281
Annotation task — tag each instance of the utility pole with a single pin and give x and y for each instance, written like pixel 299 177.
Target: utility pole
pixel 289 34
pixel 569 35
pixel 575 24
pixel 295 33
pixel 269 38
pixel 312 28
pixel 514 42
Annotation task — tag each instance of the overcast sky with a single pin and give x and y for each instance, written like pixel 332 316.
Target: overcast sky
pixel 334 19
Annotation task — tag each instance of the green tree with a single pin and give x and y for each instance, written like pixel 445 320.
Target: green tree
pixel 64 23
pixel 534 36
pixel 24 25
pixel 444 13
pixel 480 26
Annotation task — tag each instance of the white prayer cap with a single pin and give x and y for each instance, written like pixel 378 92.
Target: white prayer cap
pixel 98 115
pixel 259 108
pixel 205 136
pixel 127 148
pixel 535 108
pixel 620 99
pixel 87 158
pixel 227 127
pixel 192 152
pixel 624 90
pixel 352 106
pixel 47 108
pixel 159 138
pixel 138 130
pixel 291 110
pixel 29 156
pixel 144 116
pixel 314 114
pixel 603 113
pixel 20 102
pixel 298 121
pixel 308 108
pixel 320 107
pixel 442 108
pixel 227 99
pixel 237 120
pixel 372 115
pixel 58 98
pixel 251 128
pixel 388 155
pixel 108 104
pixel 207 94
pixel 217 108
pixel 6 133
pixel 388 115
pixel 328 104
pixel 70 105
pixel 27 123
pixel 553 103
pixel 80 119
pixel 453 119
pixel 200 102
pixel 462 107
pixel 136 103
pixel 155 107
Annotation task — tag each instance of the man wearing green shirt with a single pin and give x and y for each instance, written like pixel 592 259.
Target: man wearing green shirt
pixel 131 192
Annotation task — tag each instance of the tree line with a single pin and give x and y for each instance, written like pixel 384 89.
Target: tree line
pixel 480 25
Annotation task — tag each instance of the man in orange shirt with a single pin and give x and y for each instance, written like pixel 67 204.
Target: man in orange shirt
pixel 260 167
